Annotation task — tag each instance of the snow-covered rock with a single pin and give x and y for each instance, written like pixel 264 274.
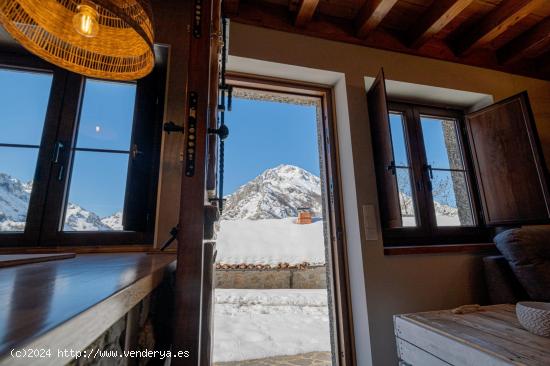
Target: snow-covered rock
pixel 275 194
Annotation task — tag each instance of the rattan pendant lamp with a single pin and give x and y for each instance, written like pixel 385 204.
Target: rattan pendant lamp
pixel 107 39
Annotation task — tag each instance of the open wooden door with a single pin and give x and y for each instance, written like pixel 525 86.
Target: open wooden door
pixel 509 164
pixel 385 165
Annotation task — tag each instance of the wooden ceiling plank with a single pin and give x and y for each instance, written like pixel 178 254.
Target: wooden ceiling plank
pixel 496 23
pixel 440 14
pixel 371 15
pixel 306 9
pixel 531 43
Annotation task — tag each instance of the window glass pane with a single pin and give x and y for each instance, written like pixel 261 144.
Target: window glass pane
pixel 451 196
pixel 400 153
pixel 406 200
pixel 442 144
pixel 107 115
pixel 17 167
pixel 23 102
pixel 96 196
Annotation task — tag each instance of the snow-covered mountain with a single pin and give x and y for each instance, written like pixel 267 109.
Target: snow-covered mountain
pixel 14 200
pixel 114 221
pixel 80 219
pixel 14 203
pixel 275 194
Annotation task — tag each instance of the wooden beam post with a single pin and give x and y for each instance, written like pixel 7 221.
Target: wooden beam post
pixel 441 13
pixel 530 44
pixel 188 288
pixel 496 23
pixel 371 15
pixel 305 12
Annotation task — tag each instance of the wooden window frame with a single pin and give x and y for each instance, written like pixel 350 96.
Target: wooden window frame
pixel 61 122
pixel 427 232
pixel 338 260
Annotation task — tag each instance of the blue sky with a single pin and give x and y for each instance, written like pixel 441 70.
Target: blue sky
pixel 265 134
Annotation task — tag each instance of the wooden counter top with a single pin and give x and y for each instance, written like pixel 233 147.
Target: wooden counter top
pixel 67 303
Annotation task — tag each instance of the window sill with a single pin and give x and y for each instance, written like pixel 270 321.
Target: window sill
pixel 118 282
pixel 441 249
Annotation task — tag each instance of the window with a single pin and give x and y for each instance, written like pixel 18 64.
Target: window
pixel 445 177
pixel 79 157
pixel 432 174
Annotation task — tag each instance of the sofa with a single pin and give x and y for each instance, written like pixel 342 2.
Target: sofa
pixel 522 271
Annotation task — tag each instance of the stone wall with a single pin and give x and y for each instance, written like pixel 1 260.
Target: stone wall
pixel 309 278
pixel 460 186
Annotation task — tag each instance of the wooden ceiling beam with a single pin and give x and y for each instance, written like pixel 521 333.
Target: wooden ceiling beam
pixel 230 7
pixel 305 12
pixel 440 14
pixel 495 23
pixel 371 15
pixel 531 44
pixel 268 15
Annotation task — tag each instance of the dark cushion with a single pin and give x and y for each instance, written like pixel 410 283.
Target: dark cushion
pixel 527 250
pixel 503 286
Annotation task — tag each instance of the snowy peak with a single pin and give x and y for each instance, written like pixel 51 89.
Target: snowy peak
pixel 14 203
pixel 14 198
pixel 275 194
pixel 80 219
pixel 114 221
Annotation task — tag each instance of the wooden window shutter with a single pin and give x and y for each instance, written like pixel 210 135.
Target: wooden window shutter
pixel 509 164
pixel 142 181
pixel 383 153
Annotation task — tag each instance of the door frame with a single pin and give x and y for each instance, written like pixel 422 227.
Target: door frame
pixel 338 259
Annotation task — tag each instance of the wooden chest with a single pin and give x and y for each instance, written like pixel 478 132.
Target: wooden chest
pixel 491 336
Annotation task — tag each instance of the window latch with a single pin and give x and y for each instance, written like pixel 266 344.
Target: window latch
pixel 57 152
pixel 392 167
pixel 135 152
pixel 58 149
pixel 430 171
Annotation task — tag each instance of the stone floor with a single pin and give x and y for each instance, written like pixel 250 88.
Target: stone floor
pixel 305 359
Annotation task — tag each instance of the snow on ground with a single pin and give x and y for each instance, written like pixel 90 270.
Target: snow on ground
pixel 251 324
pixel 270 241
